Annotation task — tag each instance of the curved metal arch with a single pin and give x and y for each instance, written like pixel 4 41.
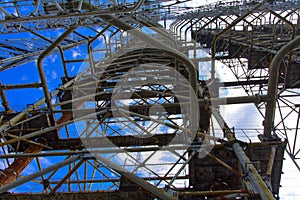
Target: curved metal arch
pixel 273 83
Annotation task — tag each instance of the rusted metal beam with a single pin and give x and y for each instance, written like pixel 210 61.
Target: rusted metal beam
pixel 11 173
pixel 212 193
pixel 234 171
pixel 21 86
pixel 271 161
pixel 5 103
pixel 19 164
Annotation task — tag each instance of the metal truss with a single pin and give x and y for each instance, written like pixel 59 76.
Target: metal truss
pixel 245 37
pixel 126 124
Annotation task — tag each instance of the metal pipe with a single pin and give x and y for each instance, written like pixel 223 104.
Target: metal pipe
pixel 37 174
pixel 271 161
pixel 273 84
pixel 18 117
pixel 36 9
pixel 11 173
pixel 20 86
pixel 209 193
pixel 159 193
pixel 58 6
pixel 4 11
pixel 58 46
pixel 190 27
pixel 109 43
pixel 173 24
pixel 90 53
pixel 113 180
pixel 176 29
pixel 29 141
pixel 110 150
pixel 234 100
pixel 234 171
pixel 180 32
pixel 79 5
pixel 5 103
pixel 115 3
pixel 255 178
pixel 63 61
pixel 40 64
pixel 213 101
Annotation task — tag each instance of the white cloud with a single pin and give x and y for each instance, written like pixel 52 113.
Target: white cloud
pixel 289 181
pixel 75 54
pixel 73 68
pixel 53 58
pixel 53 75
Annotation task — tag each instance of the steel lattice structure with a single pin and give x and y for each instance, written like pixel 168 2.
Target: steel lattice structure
pixel 119 106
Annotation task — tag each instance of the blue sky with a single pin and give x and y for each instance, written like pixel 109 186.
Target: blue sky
pixel 53 68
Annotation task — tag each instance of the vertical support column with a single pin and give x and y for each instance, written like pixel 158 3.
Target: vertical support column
pixel 4 99
pixel 273 84
pixel 255 178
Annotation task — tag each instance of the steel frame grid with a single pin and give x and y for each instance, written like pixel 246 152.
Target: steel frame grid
pixel 66 123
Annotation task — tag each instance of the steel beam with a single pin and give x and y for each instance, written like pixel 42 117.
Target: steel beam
pixel 37 174
pixel 136 6
pixel 20 86
pixel 51 128
pixel 159 193
pixel 153 42
pixel 62 181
